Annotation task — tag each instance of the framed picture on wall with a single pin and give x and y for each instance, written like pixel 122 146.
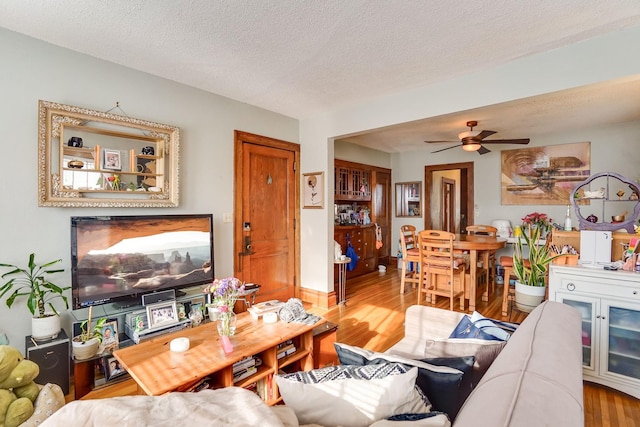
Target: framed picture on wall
pixel 544 175
pixel 313 190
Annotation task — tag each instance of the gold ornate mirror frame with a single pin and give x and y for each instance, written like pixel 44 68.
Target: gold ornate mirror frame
pixel 88 158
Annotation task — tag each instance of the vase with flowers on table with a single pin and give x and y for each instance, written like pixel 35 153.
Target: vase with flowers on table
pixel 222 296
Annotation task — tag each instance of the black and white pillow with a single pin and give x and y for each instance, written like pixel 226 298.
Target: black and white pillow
pixel 352 395
pixel 445 381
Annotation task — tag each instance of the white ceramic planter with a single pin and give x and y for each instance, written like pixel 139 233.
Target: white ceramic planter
pixel 529 297
pixel 45 328
pixel 85 350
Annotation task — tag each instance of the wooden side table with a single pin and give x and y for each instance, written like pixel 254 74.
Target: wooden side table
pixel 324 352
pixel 342 279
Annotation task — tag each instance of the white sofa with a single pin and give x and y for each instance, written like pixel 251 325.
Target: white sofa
pixel 536 379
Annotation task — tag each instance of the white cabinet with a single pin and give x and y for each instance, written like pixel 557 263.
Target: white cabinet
pixel 609 302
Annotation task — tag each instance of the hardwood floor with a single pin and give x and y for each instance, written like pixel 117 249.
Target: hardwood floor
pixel 373 318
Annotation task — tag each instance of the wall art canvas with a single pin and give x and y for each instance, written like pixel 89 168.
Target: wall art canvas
pixel 313 190
pixel 544 175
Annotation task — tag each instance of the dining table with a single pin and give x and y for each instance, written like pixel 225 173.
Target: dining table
pixel 474 244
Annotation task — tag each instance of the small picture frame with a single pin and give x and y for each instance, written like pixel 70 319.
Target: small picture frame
pixel 199 304
pixel 112 160
pixel 110 339
pixel 162 314
pixel 112 368
pixel 313 190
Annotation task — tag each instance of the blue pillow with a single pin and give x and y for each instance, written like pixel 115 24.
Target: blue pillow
pixel 479 327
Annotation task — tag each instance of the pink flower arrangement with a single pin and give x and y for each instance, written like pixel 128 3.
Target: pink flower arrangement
pixel 538 220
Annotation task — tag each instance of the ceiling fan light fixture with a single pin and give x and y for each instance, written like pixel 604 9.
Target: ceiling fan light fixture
pixel 468 134
pixel 471 147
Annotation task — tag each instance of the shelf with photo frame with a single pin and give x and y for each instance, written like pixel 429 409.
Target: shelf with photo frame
pixel 87 158
pixel 89 375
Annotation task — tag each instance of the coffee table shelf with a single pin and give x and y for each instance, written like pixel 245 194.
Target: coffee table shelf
pixel 157 370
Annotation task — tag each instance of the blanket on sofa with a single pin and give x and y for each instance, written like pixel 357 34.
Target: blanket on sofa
pixel 231 406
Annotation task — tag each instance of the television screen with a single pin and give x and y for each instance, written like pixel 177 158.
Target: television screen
pixel 119 258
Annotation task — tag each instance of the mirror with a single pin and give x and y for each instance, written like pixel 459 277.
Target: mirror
pixel 89 158
pixel 409 199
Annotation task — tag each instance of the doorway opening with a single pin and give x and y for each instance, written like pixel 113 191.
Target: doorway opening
pixel 448 195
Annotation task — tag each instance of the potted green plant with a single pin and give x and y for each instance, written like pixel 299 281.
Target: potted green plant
pixel 87 344
pixel 31 282
pixel 531 261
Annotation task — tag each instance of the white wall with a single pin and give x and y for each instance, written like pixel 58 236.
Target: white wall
pixel 596 60
pixel 31 70
pixel 360 154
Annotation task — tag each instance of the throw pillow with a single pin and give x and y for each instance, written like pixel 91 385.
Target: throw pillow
pixel 432 419
pixel 49 400
pixel 478 326
pixel 464 364
pixel 352 395
pixel 441 383
pixel 484 352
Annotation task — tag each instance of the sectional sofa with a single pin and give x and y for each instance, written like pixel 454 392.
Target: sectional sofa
pixel 535 378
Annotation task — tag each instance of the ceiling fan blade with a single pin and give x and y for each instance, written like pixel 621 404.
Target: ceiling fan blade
pixel 448 148
pixel 483 150
pixel 507 141
pixel 430 142
pixel 484 134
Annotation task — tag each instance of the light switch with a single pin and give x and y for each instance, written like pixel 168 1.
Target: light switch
pixel 227 217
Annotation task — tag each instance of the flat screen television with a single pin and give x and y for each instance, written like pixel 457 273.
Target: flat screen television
pixel 117 259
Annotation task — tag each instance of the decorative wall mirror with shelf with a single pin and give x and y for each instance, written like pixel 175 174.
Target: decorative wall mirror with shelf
pixel 88 158
pixel 409 199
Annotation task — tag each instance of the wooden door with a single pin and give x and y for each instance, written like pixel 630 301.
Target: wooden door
pixel 266 240
pixel 382 213
pixel 448 204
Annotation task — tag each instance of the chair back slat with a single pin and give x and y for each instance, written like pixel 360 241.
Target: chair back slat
pixel 483 230
pixel 436 248
pixel 407 238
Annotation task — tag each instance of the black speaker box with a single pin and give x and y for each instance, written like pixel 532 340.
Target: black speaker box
pixel 53 358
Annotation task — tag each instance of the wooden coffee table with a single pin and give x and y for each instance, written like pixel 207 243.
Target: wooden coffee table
pixel 158 370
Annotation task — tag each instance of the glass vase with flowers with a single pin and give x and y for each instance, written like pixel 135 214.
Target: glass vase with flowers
pixel 224 294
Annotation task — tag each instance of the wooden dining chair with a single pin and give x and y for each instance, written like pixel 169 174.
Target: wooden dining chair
pixel 437 257
pixel 488 257
pixel 410 254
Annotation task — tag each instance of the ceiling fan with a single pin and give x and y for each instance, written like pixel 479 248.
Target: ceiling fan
pixel 473 140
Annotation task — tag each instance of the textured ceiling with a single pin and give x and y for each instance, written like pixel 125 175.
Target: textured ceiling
pixel 301 57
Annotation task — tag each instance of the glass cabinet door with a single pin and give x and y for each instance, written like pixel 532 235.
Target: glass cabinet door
pixel 588 307
pixel 623 335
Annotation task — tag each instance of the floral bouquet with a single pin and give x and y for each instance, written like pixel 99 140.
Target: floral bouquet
pixel 225 293
pixel 537 220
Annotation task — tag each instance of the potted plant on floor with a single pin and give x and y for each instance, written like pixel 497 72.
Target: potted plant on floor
pixel 30 282
pixel 531 261
pixel 87 344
